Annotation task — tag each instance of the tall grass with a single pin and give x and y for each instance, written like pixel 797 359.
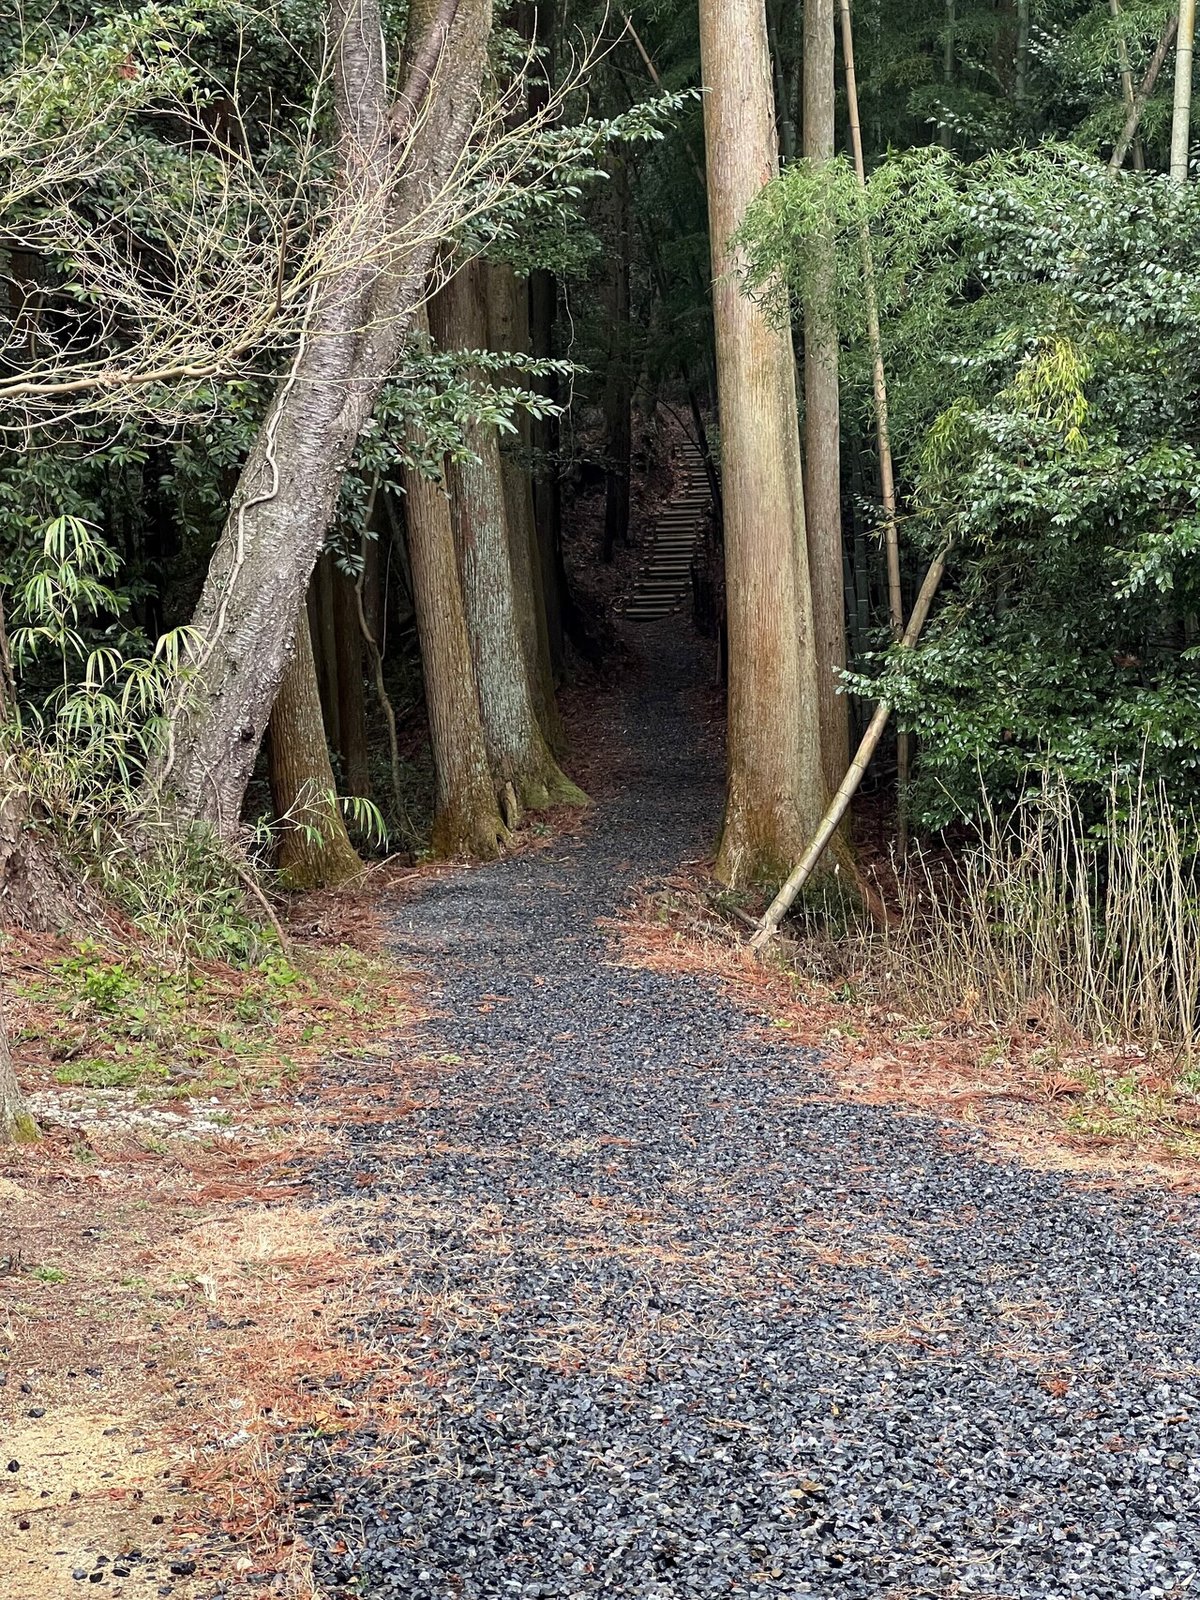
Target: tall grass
pixel 1077 926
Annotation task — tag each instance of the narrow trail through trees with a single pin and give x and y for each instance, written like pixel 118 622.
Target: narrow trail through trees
pixel 667 1318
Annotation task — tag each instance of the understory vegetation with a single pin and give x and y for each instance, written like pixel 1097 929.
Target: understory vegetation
pixel 743 458
pixel 330 369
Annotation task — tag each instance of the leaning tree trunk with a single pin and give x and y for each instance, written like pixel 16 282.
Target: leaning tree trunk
pixel 822 421
pixel 519 756
pixel 314 848
pixel 466 817
pixel 1145 90
pixel 396 183
pixel 776 790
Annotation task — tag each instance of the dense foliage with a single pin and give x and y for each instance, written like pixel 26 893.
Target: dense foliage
pixel 1040 319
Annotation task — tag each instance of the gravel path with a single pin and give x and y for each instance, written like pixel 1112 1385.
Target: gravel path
pixel 676 1323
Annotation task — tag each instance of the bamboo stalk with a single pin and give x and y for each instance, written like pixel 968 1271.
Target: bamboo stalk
pixel 887 480
pixel 1126 70
pixel 1181 117
pixel 840 804
pixel 1144 92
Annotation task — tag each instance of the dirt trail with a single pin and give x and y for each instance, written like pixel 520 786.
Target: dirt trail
pixel 667 1319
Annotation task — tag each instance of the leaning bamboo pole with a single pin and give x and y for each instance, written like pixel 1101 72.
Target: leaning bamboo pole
pixel 840 804
pixel 887 479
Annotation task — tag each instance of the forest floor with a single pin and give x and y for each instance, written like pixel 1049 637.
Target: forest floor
pixel 660 1308
pixel 560 1250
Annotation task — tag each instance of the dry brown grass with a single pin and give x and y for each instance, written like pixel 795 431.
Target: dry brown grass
pixel 183 1290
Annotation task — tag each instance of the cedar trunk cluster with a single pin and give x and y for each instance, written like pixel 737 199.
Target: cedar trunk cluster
pixel 301 642
pixel 479 572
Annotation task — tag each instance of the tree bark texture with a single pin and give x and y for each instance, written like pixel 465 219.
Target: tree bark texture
pixel 518 754
pixel 466 816
pixel 323 623
pixel 314 848
pixel 822 419
pixel 508 329
pixel 776 790
pixel 536 23
pixel 395 165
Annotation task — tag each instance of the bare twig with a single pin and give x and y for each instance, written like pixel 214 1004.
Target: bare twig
pixel 1145 90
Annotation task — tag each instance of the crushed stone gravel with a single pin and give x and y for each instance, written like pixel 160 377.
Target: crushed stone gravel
pixel 672 1321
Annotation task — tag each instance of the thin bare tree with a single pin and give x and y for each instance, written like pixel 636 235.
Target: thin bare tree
pixel 883 439
pixel 826 832
pixel 1145 90
pixel 822 410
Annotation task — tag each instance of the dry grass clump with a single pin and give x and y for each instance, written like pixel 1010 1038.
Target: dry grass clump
pixel 1090 931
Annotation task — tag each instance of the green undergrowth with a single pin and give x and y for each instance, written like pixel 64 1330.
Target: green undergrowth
pixel 1135 1108
pixel 104 1019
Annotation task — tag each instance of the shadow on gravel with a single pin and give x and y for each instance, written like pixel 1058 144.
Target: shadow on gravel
pixel 672 1322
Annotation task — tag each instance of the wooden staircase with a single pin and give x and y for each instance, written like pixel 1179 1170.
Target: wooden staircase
pixel 665 578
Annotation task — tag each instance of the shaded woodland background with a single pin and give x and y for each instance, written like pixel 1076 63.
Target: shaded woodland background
pixel 338 346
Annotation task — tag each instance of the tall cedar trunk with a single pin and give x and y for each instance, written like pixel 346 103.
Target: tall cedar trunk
pixel 822 422
pixel 16 1121
pixel 517 750
pixel 776 791
pixel 508 329
pixel 314 848
pixel 323 622
pixel 618 396
pixel 466 817
pixel 359 314
pixel 372 581
pixel 547 485
pixel 352 701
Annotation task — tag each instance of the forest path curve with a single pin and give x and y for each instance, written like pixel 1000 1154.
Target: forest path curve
pixel 670 1320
